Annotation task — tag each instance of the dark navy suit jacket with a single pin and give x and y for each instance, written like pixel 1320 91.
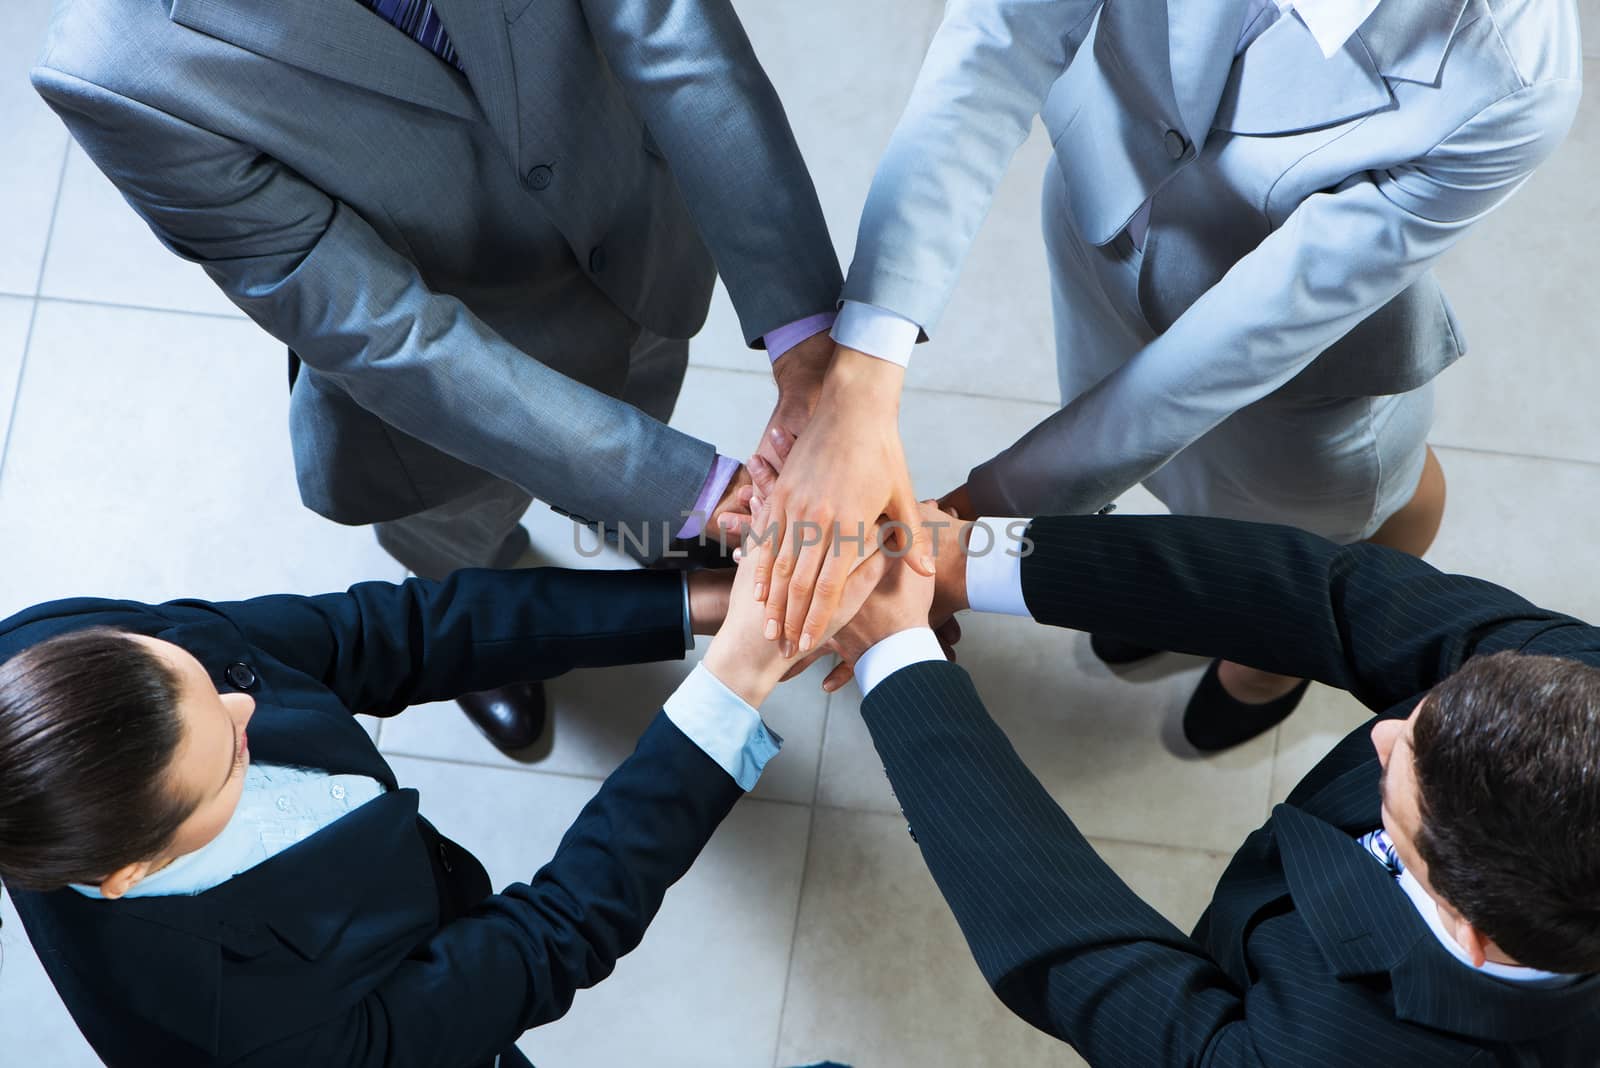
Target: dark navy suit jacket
pixel 377 941
pixel 1310 955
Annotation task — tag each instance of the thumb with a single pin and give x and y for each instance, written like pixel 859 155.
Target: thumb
pixel 905 509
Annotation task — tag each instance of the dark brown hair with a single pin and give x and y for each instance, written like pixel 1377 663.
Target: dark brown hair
pixel 89 724
pixel 1507 757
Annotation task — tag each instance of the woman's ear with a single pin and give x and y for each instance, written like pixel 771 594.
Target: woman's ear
pixel 124 879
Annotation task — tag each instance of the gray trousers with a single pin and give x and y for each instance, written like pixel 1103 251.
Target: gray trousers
pixel 483 527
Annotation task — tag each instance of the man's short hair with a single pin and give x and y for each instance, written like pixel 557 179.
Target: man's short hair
pixel 1507 755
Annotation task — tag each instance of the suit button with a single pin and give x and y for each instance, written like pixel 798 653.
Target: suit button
pixel 540 176
pixel 239 675
pixel 597 260
pixel 1176 144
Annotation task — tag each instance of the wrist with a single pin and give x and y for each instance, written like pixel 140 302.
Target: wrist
pixel 951 583
pixel 804 366
pixel 708 599
pixel 859 379
pixel 751 673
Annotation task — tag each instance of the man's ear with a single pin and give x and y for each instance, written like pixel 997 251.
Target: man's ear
pixel 124 879
pixel 1467 936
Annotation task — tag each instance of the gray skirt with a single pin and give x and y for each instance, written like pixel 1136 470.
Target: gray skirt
pixel 1335 466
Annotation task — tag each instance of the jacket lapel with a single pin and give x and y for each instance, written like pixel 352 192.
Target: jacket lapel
pixel 1362 921
pixel 1282 83
pixel 483 42
pixel 1408 39
pixel 1199 36
pixel 340 40
pixel 1365 925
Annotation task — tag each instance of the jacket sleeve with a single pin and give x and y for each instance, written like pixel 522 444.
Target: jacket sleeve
pixel 519 958
pixel 312 273
pixel 1340 256
pixel 1063 941
pixel 985 77
pixel 1376 622
pixel 688 70
pixel 382 647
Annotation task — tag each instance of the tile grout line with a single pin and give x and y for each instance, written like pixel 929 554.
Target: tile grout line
pixel 81 302
pixel 33 311
pixel 805 870
pixel 963 394
pixel 40 298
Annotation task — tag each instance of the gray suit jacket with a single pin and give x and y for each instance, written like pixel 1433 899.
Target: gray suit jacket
pixel 461 263
pixel 1298 201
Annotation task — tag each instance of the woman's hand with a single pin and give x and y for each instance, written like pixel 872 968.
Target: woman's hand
pixel 742 658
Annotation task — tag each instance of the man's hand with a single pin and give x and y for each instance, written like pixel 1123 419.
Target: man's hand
pixel 902 601
pixel 708 599
pixel 846 471
pixel 799 373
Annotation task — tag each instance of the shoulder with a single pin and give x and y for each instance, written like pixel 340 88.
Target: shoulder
pixel 1538 40
pixel 113 45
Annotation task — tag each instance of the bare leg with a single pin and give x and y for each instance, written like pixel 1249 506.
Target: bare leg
pixel 1411 530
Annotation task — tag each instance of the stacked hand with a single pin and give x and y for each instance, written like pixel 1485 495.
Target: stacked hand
pixel 846 472
pixel 747 663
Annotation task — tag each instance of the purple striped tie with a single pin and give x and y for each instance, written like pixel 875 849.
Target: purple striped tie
pixel 417 20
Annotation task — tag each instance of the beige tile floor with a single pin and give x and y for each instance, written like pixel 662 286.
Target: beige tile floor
pixel 145 455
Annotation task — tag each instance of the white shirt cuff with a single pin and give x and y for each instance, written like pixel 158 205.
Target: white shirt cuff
pixel 898 650
pixel 725 728
pixel 994 566
pixel 876 331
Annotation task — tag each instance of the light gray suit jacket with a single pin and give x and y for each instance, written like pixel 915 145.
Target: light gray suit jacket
pixel 461 263
pixel 1298 201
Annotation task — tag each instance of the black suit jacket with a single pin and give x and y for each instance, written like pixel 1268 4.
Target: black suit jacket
pixel 378 941
pixel 1309 954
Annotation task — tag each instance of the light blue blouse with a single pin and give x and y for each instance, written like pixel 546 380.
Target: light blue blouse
pixel 280 806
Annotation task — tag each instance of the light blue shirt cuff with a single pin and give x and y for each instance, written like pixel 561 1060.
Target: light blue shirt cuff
pixel 876 331
pixel 994 566
pixel 898 650
pixel 725 728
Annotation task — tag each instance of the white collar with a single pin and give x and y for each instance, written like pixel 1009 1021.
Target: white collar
pixel 1511 973
pixel 1331 22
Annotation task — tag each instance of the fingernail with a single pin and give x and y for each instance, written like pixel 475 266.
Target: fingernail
pixel 805 643
pixel 927 562
pixel 772 629
pixel 760 589
pixel 786 647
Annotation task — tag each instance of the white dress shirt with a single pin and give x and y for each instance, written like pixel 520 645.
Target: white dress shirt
pixel 890 336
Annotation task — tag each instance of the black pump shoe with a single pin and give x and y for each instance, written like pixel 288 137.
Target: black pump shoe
pixel 1216 720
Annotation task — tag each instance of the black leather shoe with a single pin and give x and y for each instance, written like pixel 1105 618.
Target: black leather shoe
pixel 1116 652
pixel 512 717
pixel 1216 720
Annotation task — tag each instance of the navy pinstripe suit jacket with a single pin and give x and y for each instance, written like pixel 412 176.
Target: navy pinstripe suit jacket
pixel 1309 955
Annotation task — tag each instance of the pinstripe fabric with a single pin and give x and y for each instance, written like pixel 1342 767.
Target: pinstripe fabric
pixel 1309 954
